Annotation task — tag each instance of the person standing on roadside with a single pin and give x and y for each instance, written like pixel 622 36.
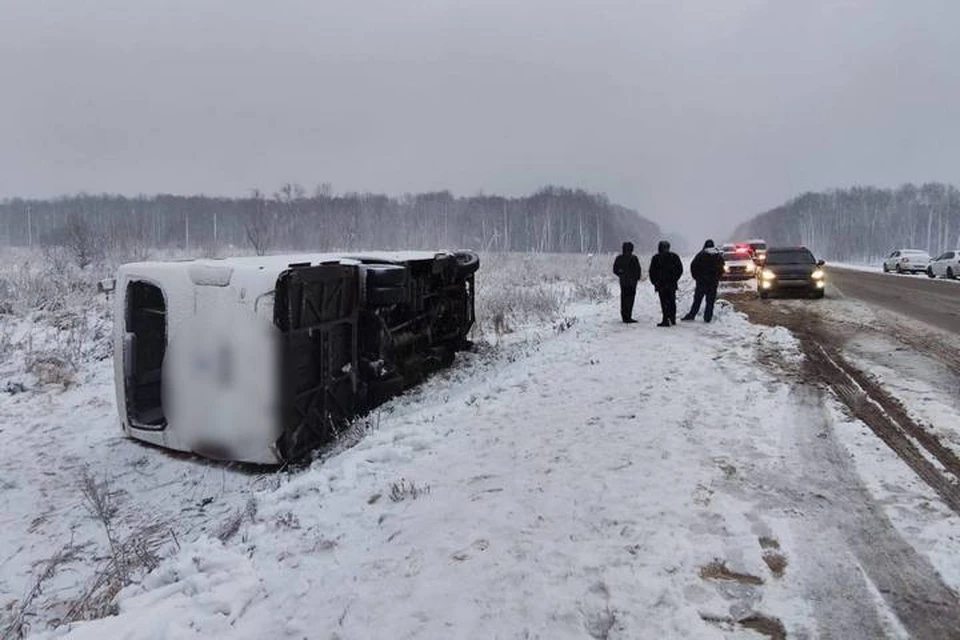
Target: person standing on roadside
pixel 627 268
pixel 706 269
pixel 665 271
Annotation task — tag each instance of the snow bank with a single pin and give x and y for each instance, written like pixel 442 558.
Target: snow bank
pixel 779 342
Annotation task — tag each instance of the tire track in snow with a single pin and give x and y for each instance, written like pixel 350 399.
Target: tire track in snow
pixel 889 420
pixel 868 401
pixel 846 515
pixel 907 581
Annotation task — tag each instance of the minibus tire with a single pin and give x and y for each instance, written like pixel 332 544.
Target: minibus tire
pixel 467 263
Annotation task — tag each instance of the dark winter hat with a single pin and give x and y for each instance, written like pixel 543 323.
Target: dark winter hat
pixel 628 247
pixel 708 244
pixel 663 247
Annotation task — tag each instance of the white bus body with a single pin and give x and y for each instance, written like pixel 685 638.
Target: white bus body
pixel 262 359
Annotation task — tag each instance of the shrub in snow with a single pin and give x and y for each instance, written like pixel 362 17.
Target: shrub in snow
pixel 17 625
pixel 52 315
pixel 231 526
pixel 507 306
pixel 518 289
pixel 13 388
pixel 594 290
pixel 130 555
pixel 51 368
pixel 565 325
pixel 200 592
pixel 403 490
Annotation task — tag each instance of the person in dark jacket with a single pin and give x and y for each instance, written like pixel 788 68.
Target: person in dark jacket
pixel 627 268
pixel 665 271
pixel 706 269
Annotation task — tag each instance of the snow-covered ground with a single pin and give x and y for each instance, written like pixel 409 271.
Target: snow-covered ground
pixel 62 446
pixel 582 478
pixel 578 488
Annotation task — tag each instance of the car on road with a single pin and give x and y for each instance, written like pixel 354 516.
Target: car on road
pixel 791 270
pixel 907 261
pixel 946 265
pixel 738 263
pixel 758 248
pixel 264 359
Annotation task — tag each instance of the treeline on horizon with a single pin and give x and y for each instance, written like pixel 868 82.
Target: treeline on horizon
pixel 864 223
pixel 551 220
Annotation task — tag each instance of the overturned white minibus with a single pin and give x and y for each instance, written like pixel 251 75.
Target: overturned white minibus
pixel 263 359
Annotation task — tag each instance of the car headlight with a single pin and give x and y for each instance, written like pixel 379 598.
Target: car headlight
pixel 817 275
pixel 766 274
pixel 726 269
pixel 751 267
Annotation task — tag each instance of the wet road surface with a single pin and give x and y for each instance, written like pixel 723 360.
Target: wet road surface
pixel 936 302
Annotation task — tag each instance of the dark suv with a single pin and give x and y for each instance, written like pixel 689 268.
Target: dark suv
pixel 791 269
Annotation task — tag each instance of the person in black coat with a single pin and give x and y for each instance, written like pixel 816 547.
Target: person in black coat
pixel 627 268
pixel 665 271
pixel 706 269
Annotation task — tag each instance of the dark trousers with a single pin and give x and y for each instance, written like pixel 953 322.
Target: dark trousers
pixel 708 291
pixel 668 304
pixel 627 296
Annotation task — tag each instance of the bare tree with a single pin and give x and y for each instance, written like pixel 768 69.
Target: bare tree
pixel 554 219
pixel 323 190
pixel 863 222
pixel 81 241
pixel 259 227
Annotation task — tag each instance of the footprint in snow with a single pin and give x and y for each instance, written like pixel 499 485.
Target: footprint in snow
pixel 598 618
pixel 480 545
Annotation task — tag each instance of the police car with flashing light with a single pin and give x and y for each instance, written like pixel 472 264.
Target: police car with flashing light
pixel 738 263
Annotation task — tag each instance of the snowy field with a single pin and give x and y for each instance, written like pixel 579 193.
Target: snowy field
pixel 573 477
pixel 86 511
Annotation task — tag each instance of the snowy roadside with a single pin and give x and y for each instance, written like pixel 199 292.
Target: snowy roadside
pixel 73 490
pixel 582 477
pixel 59 444
pixel 83 508
pixel 600 483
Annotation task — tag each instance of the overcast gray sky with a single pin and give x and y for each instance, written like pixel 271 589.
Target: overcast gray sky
pixel 697 113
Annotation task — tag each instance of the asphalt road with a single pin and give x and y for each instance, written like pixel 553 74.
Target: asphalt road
pixel 936 302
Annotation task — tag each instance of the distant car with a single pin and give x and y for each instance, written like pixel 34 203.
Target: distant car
pixel 759 250
pixel 907 261
pixel 737 263
pixel 947 265
pixel 791 269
